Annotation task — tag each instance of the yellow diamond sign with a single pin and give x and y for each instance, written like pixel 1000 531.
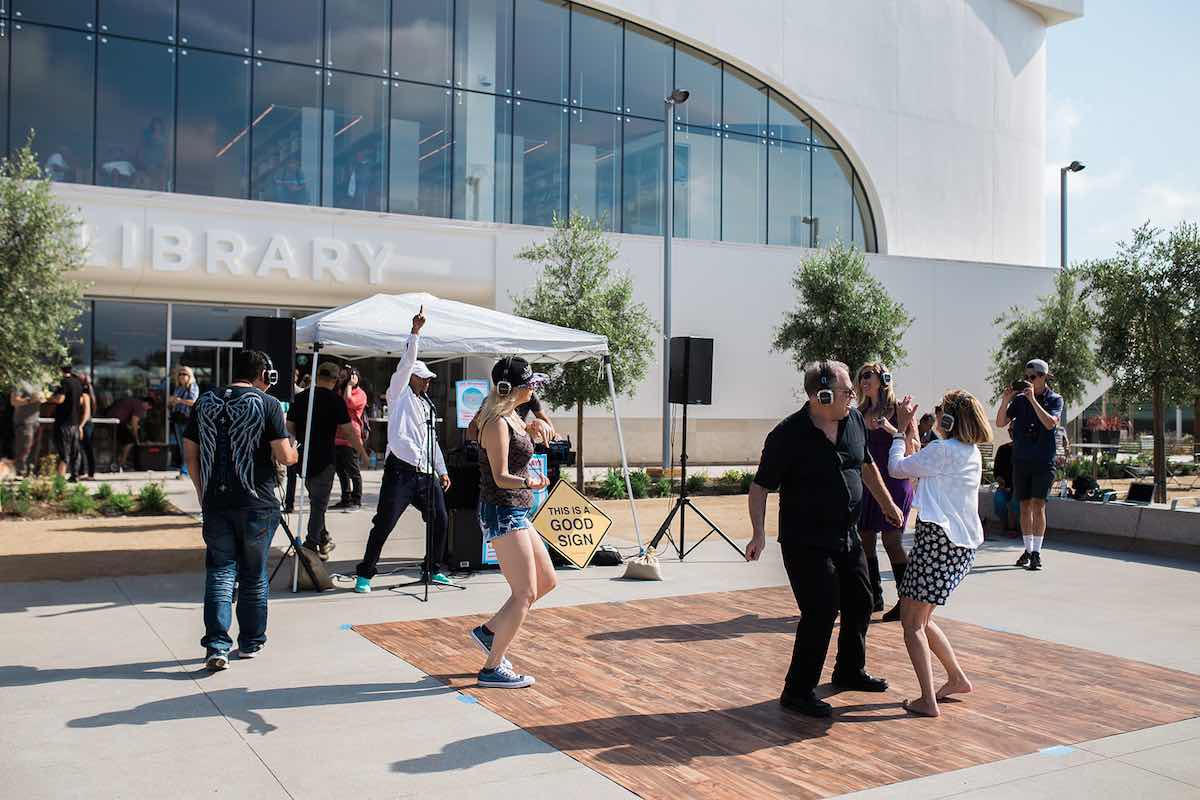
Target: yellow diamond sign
pixel 571 524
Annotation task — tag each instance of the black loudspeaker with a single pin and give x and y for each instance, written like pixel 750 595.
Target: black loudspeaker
pixel 275 336
pixel 691 371
pixel 1140 493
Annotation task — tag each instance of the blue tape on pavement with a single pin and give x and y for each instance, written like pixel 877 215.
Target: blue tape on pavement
pixel 345 627
pixel 466 698
pixel 1057 750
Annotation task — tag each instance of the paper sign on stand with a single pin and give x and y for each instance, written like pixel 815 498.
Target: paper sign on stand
pixel 571 524
pixel 469 397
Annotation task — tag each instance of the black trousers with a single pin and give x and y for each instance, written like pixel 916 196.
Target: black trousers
pixel 318 486
pixel 823 582
pixel 348 474
pixel 293 473
pixel 403 486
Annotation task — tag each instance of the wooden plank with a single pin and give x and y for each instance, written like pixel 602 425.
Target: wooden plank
pixel 677 697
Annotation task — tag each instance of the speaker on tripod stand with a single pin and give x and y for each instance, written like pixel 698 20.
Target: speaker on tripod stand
pixel 690 383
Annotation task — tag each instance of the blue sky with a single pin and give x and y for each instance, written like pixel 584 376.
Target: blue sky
pixel 1123 97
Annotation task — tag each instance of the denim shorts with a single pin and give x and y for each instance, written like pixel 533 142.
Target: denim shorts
pixel 499 520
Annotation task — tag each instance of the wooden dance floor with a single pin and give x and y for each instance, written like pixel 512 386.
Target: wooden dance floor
pixel 677 697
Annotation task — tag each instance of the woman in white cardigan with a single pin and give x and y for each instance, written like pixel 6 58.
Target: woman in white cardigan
pixel 948 532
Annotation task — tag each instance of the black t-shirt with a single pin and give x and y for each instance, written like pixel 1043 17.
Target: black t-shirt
pixel 67 412
pixel 1002 465
pixel 534 406
pixel 820 484
pixel 328 413
pixel 234 427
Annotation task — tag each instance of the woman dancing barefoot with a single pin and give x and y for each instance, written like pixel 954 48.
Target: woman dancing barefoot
pixel 948 532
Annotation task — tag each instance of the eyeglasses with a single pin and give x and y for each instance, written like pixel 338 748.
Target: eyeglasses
pixel 865 374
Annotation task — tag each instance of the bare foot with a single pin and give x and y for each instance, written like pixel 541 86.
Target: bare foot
pixel 960 686
pixel 921 708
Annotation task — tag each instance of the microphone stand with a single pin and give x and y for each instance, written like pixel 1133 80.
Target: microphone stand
pixel 430 493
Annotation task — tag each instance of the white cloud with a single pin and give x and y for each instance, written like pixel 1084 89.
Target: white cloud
pixel 1062 119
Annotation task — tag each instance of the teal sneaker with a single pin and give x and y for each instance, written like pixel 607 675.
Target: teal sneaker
pixel 442 579
pixel 362 585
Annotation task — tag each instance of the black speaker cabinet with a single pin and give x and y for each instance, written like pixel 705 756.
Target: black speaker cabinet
pixel 276 336
pixel 691 371
pixel 1140 493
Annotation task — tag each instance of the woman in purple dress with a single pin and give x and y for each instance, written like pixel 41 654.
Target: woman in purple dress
pixel 877 402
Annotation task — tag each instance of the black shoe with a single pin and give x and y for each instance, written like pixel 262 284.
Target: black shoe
pixel 862 682
pixel 809 705
pixel 893 615
pixel 877 604
pixel 339 505
pixel 1024 559
pixel 1035 562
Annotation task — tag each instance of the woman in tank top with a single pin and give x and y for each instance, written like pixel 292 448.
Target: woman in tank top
pixel 506 487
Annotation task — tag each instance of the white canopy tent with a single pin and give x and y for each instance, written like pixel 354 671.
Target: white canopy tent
pixel 380 325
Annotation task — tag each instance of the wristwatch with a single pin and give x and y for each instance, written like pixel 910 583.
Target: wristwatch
pixel 525 482
pixel 898 435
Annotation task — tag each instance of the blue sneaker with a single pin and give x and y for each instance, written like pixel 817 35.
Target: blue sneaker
pixel 441 579
pixel 483 639
pixel 503 677
pixel 362 585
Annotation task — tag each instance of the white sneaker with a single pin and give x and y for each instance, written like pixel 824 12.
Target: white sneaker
pixel 252 653
pixel 217 662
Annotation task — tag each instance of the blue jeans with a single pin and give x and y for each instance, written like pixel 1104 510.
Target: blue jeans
pixel 179 429
pixel 497 521
pixel 237 545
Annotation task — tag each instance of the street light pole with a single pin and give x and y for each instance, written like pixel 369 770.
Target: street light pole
pixel 1074 166
pixel 677 97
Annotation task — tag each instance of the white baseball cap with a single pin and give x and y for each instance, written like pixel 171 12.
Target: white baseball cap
pixel 422 371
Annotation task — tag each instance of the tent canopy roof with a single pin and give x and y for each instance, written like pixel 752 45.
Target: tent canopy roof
pixel 379 325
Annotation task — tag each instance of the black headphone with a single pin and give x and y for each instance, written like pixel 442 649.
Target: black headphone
pixel 885 379
pixel 949 416
pixel 504 388
pixel 824 378
pixel 270 373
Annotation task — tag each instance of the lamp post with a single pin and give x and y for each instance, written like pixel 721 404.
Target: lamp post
pixel 676 98
pixel 1074 166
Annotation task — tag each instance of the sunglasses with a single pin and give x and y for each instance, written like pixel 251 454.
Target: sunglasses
pixel 1032 376
pixel 866 374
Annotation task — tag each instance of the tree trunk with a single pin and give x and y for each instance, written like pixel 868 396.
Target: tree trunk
pixel 579 447
pixel 1160 444
pixel 1196 428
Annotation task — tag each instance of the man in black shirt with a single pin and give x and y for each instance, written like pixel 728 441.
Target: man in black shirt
pixel 330 419
pixel 68 400
pixel 818 460
pixel 232 441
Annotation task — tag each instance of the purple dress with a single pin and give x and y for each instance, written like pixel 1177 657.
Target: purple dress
pixel 879 442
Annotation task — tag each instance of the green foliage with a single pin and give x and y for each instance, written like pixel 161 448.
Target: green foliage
pixel 696 481
pixel 1059 331
pixel 58 488
pixel 103 492
pixel 21 506
pixel 747 479
pixel 731 476
pixel 153 498
pixel 843 312
pixel 48 465
pixel 39 248
pixel 660 487
pixel 78 501
pixel 119 503
pixel 613 485
pixel 41 490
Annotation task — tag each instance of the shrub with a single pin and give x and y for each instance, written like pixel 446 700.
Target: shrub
pixel 613 485
pixel 119 503
pixel 40 490
pixel 103 492
pixel 747 479
pixel 21 506
pixel 48 465
pixel 660 487
pixel 639 480
pixel 25 489
pixel 58 488
pixel 696 482
pixel 153 498
pixel 732 476
pixel 79 502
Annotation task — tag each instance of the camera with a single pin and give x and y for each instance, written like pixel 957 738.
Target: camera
pixel 1020 385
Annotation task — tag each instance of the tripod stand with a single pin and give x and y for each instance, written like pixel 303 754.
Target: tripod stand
pixel 294 544
pixel 682 504
pixel 431 490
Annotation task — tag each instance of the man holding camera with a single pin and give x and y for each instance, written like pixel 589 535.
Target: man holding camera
pixel 233 438
pixel 1034 411
pixel 819 461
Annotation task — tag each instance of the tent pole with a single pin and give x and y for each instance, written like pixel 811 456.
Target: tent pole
pixel 312 387
pixel 612 395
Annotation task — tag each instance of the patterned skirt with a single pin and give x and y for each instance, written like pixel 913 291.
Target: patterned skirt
pixel 935 565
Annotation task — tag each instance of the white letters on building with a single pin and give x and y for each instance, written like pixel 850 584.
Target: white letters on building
pixel 170 248
pixel 329 256
pixel 278 255
pixel 224 250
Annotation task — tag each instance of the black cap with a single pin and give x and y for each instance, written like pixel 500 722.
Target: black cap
pixel 514 372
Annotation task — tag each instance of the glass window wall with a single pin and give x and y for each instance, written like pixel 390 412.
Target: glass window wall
pixel 212 150
pixel 539 162
pixel 423 40
pixel 288 30
pixel 79 14
pixel 790 174
pixel 745 103
pixel 135 114
pixel 833 197
pixel 482 157
pixel 864 223
pixel 141 19
pixel 649 72
pixel 420 146
pixel 542 40
pixel 596 59
pixel 285 133
pixel 53 94
pixel 785 121
pixel 642 177
pixel 211 323
pixel 4 42
pixel 356 35
pixel 595 177
pixel 216 24
pixel 744 189
pixel 355 111
pixel 483 36
pixel 700 74
pixel 697 183
pixel 129 359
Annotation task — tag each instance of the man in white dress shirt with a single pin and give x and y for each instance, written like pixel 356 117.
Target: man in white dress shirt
pixel 408 477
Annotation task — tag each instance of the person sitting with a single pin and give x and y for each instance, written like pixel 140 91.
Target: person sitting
pixel 1004 500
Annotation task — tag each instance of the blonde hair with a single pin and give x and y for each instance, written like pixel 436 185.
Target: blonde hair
pixel 184 370
pixel 496 406
pixel 971 424
pixel 866 405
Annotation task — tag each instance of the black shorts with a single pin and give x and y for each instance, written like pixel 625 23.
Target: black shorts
pixel 1032 480
pixel 125 435
pixel 66 444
